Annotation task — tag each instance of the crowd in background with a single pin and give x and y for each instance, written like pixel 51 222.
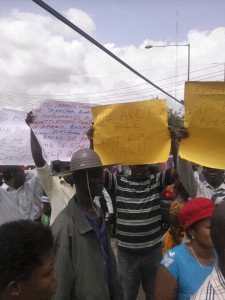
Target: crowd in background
pixel 65 214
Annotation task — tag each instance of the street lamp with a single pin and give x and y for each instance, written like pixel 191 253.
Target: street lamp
pixel 163 46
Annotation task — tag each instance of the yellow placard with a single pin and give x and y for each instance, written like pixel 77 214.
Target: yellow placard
pixel 132 133
pixel 205 120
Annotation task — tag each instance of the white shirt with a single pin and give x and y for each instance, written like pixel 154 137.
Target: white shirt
pixel 57 189
pixel 38 194
pixel 213 288
pixel 60 192
pixel 193 187
pixel 107 199
pixel 18 204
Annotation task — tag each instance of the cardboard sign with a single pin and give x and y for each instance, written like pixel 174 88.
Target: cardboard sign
pixel 205 120
pixel 14 138
pixel 132 133
pixel 61 127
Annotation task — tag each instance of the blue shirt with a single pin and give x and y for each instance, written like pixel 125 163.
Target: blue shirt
pixel 186 270
pixel 100 230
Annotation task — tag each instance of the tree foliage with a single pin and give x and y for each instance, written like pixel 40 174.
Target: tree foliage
pixel 175 120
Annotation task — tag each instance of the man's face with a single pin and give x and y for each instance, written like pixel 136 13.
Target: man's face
pixel 139 172
pixel 213 176
pixel 96 181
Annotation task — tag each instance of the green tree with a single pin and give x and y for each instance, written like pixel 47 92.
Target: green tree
pixel 175 120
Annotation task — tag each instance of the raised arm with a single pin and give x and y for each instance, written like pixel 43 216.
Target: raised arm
pixel 184 169
pixel 174 151
pixel 90 135
pixel 35 146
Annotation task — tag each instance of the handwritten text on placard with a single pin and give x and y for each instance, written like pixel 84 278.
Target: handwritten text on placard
pixel 132 133
pixel 14 138
pixel 205 119
pixel 61 127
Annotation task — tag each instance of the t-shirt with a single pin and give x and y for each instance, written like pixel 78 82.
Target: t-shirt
pixel 186 270
pixel 138 210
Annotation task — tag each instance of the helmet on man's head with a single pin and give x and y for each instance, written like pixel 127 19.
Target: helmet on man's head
pixel 86 159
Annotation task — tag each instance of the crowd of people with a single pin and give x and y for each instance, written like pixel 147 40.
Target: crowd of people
pixel 70 256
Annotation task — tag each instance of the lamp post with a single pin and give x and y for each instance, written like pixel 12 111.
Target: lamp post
pixel 164 46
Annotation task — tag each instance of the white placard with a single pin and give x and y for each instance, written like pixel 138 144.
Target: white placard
pixel 61 127
pixel 14 138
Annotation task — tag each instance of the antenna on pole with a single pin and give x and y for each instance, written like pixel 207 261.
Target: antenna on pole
pixel 176 68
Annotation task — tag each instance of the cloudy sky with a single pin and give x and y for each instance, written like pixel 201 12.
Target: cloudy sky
pixel 41 58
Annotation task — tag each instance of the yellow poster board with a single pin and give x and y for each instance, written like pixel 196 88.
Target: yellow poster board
pixel 132 133
pixel 205 120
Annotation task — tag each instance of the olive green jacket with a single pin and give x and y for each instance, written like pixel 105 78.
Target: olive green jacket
pixel 79 259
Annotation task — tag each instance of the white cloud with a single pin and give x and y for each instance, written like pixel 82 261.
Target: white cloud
pixel 41 58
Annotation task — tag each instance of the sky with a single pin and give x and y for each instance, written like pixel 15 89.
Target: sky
pixel 41 58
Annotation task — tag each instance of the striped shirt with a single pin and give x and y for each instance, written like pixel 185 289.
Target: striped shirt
pixel 213 287
pixel 138 210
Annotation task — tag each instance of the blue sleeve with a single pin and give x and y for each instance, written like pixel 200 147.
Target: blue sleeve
pixel 169 261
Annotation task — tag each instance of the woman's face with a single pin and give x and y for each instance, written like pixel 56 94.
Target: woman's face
pixel 42 283
pixel 201 232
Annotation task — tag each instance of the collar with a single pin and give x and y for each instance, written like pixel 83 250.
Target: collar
pixel 206 184
pixel 62 180
pixel 6 187
pixel 78 216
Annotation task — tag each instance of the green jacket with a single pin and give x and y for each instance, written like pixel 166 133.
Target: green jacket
pixel 79 259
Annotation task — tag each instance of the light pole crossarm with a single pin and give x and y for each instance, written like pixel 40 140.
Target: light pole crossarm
pixel 174 45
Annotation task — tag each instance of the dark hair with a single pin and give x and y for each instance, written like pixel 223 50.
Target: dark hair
pixel 10 171
pixel 22 246
pixel 187 230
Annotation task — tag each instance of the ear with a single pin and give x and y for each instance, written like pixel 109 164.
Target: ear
pixel 191 231
pixel 13 289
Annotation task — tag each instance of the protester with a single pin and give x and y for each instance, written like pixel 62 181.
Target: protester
pixel 213 287
pixel 175 233
pixel 26 261
pixel 58 190
pixel 17 197
pixel 30 173
pixel 210 187
pixel 83 255
pixel 185 267
pixel 138 225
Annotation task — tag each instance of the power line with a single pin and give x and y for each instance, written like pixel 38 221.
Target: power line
pixel 88 37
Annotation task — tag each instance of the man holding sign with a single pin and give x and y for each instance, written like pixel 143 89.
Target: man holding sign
pixel 58 190
pixel 212 187
pixel 138 225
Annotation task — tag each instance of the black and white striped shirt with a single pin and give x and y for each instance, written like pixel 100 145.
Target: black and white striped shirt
pixel 213 288
pixel 138 210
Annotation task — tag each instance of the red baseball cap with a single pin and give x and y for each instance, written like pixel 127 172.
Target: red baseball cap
pixel 196 209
